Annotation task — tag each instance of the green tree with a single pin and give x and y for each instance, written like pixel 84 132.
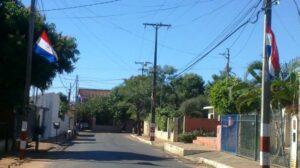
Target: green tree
pixel 215 78
pixel 165 93
pixel 284 88
pixel 136 93
pixel 100 107
pixel 187 86
pixel 222 97
pixel 13 42
pixel 63 106
pixel 194 107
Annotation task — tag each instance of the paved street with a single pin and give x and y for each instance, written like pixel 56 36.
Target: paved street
pixel 106 150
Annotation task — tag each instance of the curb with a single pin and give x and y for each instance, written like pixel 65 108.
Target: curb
pixel 207 161
pixel 189 157
pixel 142 140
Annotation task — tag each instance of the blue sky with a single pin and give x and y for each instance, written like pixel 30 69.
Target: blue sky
pixel 111 37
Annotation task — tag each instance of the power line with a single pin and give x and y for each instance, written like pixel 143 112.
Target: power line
pixel 245 44
pixel 186 11
pixel 213 10
pixel 103 43
pixel 135 35
pixel 229 28
pixel 297 6
pixel 80 6
pixel 286 29
pixel 200 57
pixel 124 14
pixel 142 37
pixel 98 39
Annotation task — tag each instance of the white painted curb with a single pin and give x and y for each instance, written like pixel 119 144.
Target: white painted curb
pixel 207 161
pixel 142 140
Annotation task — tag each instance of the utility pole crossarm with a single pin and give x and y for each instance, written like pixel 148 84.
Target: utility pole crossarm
pixel 157 25
pixel 144 64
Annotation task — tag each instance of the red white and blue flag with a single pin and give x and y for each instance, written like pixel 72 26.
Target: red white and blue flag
pixel 272 53
pixel 44 49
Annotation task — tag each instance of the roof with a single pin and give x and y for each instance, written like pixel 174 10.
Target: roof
pixel 90 93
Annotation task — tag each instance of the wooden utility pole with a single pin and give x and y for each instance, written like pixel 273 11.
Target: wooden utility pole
pixel 76 99
pixel 23 134
pixel 227 56
pixel 153 96
pixel 144 65
pixel 265 97
pixel 69 94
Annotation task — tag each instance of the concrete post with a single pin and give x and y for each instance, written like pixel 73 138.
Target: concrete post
pixel 94 123
pixel 294 145
pixel 183 125
pixel 168 128
pixel 175 129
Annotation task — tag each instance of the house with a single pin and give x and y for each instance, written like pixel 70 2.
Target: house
pixel 212 114
pixel 48 106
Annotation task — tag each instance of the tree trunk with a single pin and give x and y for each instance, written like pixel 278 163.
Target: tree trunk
pixel 138 123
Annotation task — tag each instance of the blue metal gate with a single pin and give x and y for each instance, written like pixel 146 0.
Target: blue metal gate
pixel 229 133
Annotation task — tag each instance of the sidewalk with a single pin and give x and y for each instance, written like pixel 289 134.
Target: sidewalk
pixel 201 154
pixel 12 160
pixel 158 142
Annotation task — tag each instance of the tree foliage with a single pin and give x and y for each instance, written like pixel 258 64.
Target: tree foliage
pixel 194 107
pixel 63 105
pixel 187 86
pixel 222 97
pixel 13 42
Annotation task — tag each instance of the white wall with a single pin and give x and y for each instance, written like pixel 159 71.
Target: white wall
pixel 51 101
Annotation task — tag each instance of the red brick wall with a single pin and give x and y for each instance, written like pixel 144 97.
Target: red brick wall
pixel 209 125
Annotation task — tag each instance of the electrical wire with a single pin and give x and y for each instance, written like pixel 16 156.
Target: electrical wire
pixel 286 29
pixel 229 28
pixel 245 44
pixel 202 56
pixel 184 13
pixel 96 37
pixel 297 6
pixel 124 14
pixel 212 11
pixel 80 6
pixel 61 81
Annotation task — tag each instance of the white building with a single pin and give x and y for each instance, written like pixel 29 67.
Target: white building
pixel 48 105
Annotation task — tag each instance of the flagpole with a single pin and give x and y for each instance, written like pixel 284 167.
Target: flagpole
pixel 23 134
pixel 265 97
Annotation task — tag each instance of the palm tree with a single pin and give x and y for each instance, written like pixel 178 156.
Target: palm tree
pixel 250 91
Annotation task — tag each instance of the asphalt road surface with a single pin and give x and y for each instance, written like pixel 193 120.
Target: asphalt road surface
pixel 110 150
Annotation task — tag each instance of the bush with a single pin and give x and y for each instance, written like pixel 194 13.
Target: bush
pixel 187 137
pixel 209 134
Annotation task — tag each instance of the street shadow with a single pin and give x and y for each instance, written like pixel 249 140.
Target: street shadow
pixel 86 135
pixel 84 139
pixel 96 156
pixel 74 142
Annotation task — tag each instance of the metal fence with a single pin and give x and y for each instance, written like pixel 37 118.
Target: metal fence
pixel 280 139
pixel 248 142
pixel 249 135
